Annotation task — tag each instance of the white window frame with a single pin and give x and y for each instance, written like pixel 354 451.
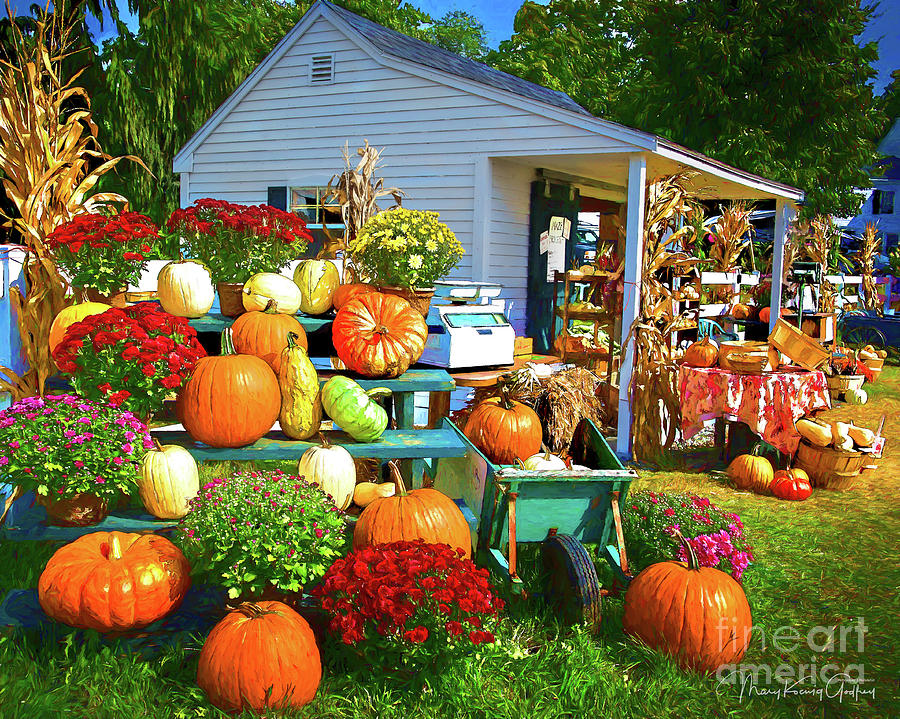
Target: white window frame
pixel 319 194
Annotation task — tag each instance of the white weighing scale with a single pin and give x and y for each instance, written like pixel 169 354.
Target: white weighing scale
pixel 467 327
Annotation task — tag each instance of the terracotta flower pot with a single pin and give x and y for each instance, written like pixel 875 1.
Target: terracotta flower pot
pixel 419 298
pixel 80 510
pixel 231 302
pixel 116 299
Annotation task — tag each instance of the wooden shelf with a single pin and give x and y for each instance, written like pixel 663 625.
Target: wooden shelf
pixel 591 315
pixel 579 277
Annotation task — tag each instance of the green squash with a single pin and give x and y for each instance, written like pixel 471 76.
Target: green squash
pixel 352 408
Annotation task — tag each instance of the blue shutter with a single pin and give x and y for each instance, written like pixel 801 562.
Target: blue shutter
pixel 278 197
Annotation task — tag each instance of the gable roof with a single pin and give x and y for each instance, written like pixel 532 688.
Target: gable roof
pixel 404 47
pixel 890 143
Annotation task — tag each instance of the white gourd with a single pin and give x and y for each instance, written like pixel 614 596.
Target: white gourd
pixel 331 468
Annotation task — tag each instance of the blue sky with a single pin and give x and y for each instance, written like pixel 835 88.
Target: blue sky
pixel 497 17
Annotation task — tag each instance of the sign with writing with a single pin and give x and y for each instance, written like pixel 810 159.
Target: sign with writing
pixel 545 241
pixel 560 227
pixel 556 256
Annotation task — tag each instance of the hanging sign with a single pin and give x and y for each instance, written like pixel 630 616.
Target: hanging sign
pixel 545 241
pixel 560 227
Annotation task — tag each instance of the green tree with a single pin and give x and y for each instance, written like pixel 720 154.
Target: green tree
pixel 776 87
pixel 459 32
pixel 890 98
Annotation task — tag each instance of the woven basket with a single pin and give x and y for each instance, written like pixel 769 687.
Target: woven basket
pixel 829 468
pixel 802 349
pixel 874 366
pixel 748 363
pixel 845 382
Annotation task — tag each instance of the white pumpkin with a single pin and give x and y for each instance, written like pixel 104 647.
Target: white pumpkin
pixel 168 481
pixel 185 289
pixel 367 492
pixel 332 468
pixel 856 396
pixel 544 461
pixel 265 286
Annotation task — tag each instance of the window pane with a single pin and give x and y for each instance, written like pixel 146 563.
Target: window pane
pixel 887 203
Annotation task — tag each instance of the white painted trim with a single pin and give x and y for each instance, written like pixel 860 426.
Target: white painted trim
pixel 634 260
pixel 184 189
pixel 481 220
pixel 180 163
pixel 784 214
pixel 726 172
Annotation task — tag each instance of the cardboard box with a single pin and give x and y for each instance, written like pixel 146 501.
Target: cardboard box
pixel 524 346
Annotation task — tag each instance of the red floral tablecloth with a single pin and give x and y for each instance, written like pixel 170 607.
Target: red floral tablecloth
pixel 768 403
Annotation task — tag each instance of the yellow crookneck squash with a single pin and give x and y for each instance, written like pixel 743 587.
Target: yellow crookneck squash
pixel 301 401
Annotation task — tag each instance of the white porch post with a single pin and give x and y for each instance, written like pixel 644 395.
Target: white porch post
pixel 784 215
pixel 634 255
pixel 481 220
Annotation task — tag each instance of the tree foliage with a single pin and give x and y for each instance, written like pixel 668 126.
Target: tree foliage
pixel 890 99
pixel 776 87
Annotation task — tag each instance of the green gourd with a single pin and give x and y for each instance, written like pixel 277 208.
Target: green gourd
pixel 301 406
pixel 353 409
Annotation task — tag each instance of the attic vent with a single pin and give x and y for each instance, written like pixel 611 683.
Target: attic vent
pixel 321 69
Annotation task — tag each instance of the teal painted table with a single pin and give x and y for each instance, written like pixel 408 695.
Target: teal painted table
pixel 218 323
pixel 413 447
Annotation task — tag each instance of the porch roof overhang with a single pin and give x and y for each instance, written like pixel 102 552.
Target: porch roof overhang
pixel 607 172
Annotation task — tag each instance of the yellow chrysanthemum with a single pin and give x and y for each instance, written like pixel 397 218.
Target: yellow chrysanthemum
pixel 415 262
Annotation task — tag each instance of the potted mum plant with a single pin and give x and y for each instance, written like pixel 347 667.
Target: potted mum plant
pixel 103 254
pixel 263 535
pixel 238 241
pixel 75 454
pixel 133 357
pixel 432 605
pixel 405 252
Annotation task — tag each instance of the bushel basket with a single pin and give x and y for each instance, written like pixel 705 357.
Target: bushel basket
pixel 829 468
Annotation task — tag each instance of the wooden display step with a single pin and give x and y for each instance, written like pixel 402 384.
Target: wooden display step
pixel 393 444
pixel 216 322
pixel 29 525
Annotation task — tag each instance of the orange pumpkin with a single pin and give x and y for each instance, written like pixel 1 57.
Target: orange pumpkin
pixel 704 353
pixel 69 316
pixel 764 314
pixel 231 400
pixel 345 293
pixel 113 581
pixel 750 471
pixel 792 484
pixel 740 312
pixel 698 615
pixel 264 334
pixel 504 430
pixel 260 656
pixel 425 514
pixel 378 335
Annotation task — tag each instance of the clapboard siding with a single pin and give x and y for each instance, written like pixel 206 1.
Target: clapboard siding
pixel 284 131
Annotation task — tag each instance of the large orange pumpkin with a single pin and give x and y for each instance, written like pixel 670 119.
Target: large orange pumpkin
pixel 504 430
pixel 264 334
pixel 704 353
pixel 113 581
pixel 231 400
pixel 425 514
pixel 750 471
pixel 698 615
pixel 740 311
pixel 345 293
pixel 69 316
pixel 260 656
pixel 378 335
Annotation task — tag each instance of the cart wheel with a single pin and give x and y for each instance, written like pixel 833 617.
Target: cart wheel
pixel 862 336
pixel 573 588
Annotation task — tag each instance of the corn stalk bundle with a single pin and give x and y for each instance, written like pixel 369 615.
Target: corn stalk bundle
pixel 869 247
pixel 655 404
pixel 51 162
pixel 732 234
pixel 821 243
pixel 356 192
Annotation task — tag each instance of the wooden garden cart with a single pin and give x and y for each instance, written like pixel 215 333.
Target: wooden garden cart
pixel 561 509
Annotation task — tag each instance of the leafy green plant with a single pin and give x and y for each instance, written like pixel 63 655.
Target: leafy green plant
pixel 651 519
pixel 405 248
pixel 255 530
pixel 62 445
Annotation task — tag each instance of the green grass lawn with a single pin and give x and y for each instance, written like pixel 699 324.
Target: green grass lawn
pixel 820 563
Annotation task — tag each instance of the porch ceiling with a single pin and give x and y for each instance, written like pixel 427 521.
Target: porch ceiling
pixel 714 180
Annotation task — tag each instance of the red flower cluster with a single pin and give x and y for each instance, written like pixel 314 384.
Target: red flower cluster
pixel 141 352
pixel 408 591
pixel 100 231
pixel 208 217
